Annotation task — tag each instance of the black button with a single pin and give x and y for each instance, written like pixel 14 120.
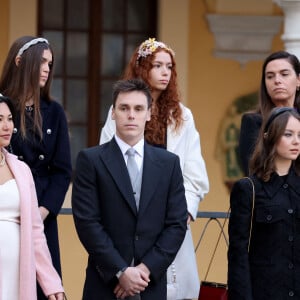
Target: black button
pixel 269 217
pixel 291 293
pixel 136 237
pixel 291 238
pixel 291 265
pixel 290 210
pixel 285 186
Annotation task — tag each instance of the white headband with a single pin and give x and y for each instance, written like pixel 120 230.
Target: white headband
pixel 31 43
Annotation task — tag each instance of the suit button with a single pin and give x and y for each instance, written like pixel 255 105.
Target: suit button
pixel 269 217
pixel 291 293
pixel 291 238
pixel 136 237
pixel 290 210
pixel 291 266
pixel 41 157
pixel 285 186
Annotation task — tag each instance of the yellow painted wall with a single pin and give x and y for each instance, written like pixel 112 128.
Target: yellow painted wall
pixel 208 86
pixel 4 34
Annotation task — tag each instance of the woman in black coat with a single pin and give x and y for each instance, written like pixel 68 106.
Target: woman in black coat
pixel 264 242
pixel 40 136
pixel 280 86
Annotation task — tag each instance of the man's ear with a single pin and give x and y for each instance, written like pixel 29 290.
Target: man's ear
pixel 113 113
pixel 148 115
pixel 17 60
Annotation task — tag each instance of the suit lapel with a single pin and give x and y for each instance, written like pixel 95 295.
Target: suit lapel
pixel 151 170
pixel 113 158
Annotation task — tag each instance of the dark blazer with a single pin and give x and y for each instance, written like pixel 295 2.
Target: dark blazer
pixel 50 164
pixel 112 230
pixel 250 127
pixel 271 270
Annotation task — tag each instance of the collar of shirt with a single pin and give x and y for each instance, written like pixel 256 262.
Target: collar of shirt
pixel 138 147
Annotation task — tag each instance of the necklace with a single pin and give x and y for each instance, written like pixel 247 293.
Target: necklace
pixel 2 161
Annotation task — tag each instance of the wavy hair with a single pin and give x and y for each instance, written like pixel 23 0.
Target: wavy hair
pixel 167 110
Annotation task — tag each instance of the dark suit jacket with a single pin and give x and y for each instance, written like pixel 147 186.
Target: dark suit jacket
pixel 112 230
pixel 250 127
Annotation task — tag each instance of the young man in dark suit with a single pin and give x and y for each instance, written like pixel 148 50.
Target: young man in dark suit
pixel 131 228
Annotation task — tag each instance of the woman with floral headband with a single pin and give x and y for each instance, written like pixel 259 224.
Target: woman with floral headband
pixel 40 135
pixel 171 127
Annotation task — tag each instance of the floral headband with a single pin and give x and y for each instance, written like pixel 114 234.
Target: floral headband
pixel 149 46
pixel 31 43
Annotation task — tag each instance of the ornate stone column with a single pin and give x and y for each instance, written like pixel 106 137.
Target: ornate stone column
pixel 291 35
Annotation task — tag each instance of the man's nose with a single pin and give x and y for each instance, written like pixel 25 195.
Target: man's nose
pixel 131 114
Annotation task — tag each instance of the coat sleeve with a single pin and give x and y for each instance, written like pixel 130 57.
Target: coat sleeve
pixel 239 279
pixel 47 276
pixel 250 126
pixel 61 168
pixel 108 129
pixel 87 219
pixel 163 252
pixel 194 172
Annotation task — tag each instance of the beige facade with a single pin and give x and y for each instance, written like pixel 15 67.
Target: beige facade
pixel 208 86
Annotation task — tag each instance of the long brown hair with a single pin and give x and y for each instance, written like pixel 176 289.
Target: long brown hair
pixel 166 111
pixel 262 162
pixel 22 82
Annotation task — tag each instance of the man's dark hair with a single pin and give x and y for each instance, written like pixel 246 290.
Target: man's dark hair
pixel 131 85
pixel 10 105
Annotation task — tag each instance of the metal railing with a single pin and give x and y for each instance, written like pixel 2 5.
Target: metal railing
pixel 200 214
pixel 213 216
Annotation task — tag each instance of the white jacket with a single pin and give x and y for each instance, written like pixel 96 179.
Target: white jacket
pixel 186 144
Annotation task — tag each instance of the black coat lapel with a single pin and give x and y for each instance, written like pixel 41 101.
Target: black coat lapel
pixel 113 158
pixel 152 169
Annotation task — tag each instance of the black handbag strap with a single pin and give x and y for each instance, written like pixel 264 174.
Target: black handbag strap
pixel 252 210
pixel 222 229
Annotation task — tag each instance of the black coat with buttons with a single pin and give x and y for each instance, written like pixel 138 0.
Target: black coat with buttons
pixel 50 163
pixel 271 269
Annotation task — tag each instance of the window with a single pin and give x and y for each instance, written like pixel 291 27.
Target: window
pixel 92 42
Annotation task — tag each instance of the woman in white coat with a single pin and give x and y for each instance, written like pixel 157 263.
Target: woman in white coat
pixel 171 127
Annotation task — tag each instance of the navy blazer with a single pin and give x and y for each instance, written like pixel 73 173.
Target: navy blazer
pixel 112 230
pixel 271 269
pixel 49 160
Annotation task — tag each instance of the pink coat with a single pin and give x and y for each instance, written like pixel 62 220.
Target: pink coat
pixel 35 259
